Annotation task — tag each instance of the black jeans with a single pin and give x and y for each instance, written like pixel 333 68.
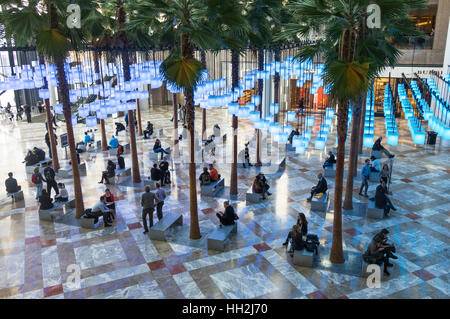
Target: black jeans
pixel 383 258
pixel 147 132
pixel 159 212
pixel 52 184
pixel 149 212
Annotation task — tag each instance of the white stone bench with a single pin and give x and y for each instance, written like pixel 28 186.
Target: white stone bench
pixel 374 177
pixel 150 182
pixel 374 212
pixel 66 172
pixel 30 169
pixel 321 204
pixel 213 188
pixel 329 171
pixel 97 147
pixel 303 258
pixel 364 269
pixel 112 151
pixel 158 231
pixel 17 196
pixel 90 222
pixel 216 240
pixel 46 214
pixel 252 197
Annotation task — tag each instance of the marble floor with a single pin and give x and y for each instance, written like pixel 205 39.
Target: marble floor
pixel 37 257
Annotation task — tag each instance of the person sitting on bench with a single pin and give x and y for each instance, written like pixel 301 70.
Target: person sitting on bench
pixel 101 209
pixel 205 178
pixel 87 139
pixel 385 174
pixel 120 161
pixel 330 161
pixel 109 173
pixel 302 223
pixel 377 254
pixel 381 199
pixel 164 167
pixel 378 147
pixel 296 237
pixel 109 201
pixel 384 242
pixel 155 173
pixel 45 200
pixel 11 184
pixel 63 195
pixel 148 131
pixel 264 184
pixel 229 216
pixel 92 136
pixel 113 142
pixel 209 141
pixel 40 154
pixel 260 187
pixel 376 166
pixel 157 148
pixel 215 176
pixel 246 156
pixel 321 187
pixel 31 159
pixel 119 127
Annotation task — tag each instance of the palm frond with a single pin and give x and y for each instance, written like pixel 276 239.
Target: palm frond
pixel 183 73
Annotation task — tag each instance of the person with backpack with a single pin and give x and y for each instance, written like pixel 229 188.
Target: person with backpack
pixel 49 174
pixel 205 178
pixel 101 209
pixel 229 216
pixel 365 175
pixel 37 179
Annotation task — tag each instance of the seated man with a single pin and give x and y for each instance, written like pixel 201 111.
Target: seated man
pixel 384 242
pixel 11 184
pixel 31 159
pixel 63 195
pixel 330 161
pixel 164 167
pixel 113 142
pixel 109 173
pixel 378 147
pixel 229 216
pixel 321 187
pixel 120 162
pixel 381 199
pixel 155 173
pixel 148 131
pixel 213 174
pixel 376 254
pixel 40 153
pixel 119 127
pixel 101 209
pixel 205 178
pixel 376 166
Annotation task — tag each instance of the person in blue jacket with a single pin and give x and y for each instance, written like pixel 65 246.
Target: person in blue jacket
pixel 365 175
pixel 114 142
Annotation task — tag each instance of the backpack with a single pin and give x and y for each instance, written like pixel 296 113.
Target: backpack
pixel 34 179
pixel 206 179
pixel 312 243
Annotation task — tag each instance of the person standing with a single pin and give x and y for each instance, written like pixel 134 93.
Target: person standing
pixel 49 174
pixel 160 197
pixel 19 112
pixel 365 175
pixel 47 141
pixel 37 179
pixel 148 206
pixel 28 112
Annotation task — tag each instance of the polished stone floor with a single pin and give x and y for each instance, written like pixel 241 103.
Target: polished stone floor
pixel 122 262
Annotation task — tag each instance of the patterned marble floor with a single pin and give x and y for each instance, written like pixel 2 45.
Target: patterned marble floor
pixel 122 262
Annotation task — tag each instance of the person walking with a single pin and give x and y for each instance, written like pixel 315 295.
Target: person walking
pixel 160 197
pixel 148 206
pixel 28 112
pixel 49 174
pixel 37 179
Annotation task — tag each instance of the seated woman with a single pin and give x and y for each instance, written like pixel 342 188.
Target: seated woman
pixel 384 174
pixel 302 223
pixel 109 201
pixel 330 161
pixel 157 148
pixel 45 200
pixel 213 173
pixel 110 172
pixel 378 147
pixel 297 239
pixel 63 195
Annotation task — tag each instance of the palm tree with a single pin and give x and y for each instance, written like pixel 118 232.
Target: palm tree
pixel 197 24
pixel 348 67
pixel 53 39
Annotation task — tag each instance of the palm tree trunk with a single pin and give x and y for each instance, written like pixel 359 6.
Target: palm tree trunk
pixel 203 60
pixel 260 93
pixel 234 124
pixel 336 254
pixel 188 53
pixel 138 114
pixel 102 122
pixel 361 125
pixel 51 134
pixel 103 130
pixel 353 159
pixel 276 83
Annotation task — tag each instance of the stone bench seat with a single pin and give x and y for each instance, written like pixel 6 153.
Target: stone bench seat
pixel 46 214
pixel 303 258
pixel 90 222
pixel 216 240
pixel 42 164
pixel 329 171
pixel 97 147
pixel 374 212
pixel 17 196
pixel 321 204
pixel 158 231
pixel 66 172
pixel 253 197
pixel 126 149
pixel 213 188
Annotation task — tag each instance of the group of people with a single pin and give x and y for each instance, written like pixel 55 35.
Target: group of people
pixel 149 201
pixel 373 165
pixel 260 186
pixel 88 140
pixel 161 173
pixel 49 177
pixel 105 207
pixel 206 177
pixel 379 251
pixel 19 112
